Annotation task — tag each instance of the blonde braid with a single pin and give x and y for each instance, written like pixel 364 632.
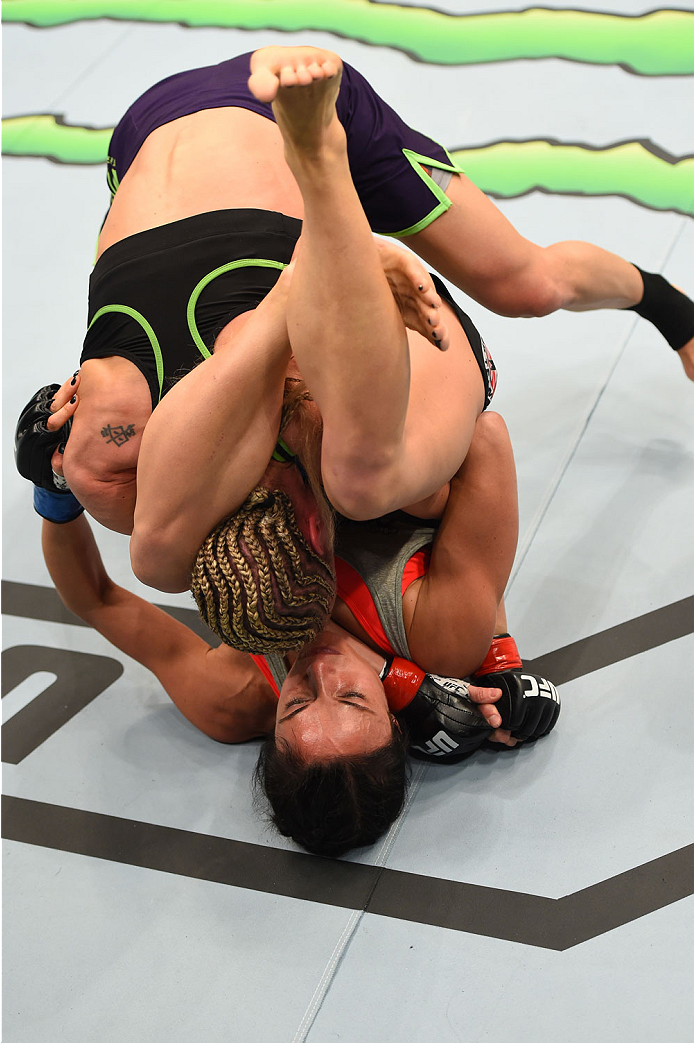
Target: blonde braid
pixel 258 583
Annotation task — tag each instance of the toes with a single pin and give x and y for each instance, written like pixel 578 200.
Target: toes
pixel 304 76
pixel 288 76
pixel 263 84
pixel 441 337
pixel 298 75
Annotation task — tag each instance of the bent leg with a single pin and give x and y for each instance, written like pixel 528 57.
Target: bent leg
pixel 346 332
pixel 479 250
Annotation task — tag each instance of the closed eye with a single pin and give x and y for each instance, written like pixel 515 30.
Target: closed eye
pixel 299 703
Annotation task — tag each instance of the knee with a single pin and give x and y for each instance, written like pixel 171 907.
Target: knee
pixel 531 288
pixel 529 294
pixel 541 296
pixel 491 427
pixel 108 497
pixel 154 562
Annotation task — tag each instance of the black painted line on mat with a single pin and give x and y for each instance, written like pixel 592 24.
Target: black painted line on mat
pixel 492 912
pixel 34 602
pixel 80 677
pixel 621 899
pixel 616 643
pixel 548 923
pixel 183 853
pixel 565 664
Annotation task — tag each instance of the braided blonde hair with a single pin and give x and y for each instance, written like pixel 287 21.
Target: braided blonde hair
pixel 258 583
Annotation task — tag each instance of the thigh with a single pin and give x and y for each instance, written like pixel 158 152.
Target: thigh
pixel 479 250
pixel 447 394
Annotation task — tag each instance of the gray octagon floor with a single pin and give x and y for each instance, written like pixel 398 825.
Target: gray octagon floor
pixel 540 895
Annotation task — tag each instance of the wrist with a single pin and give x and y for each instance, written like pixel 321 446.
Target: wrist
pixel 502 655
pixel 56 507
pixel 401 681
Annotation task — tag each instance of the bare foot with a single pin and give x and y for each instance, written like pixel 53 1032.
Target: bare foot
pixel 302 83
pixel 414 293
pixel 686 355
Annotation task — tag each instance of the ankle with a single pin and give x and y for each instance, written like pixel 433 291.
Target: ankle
pixel 324 153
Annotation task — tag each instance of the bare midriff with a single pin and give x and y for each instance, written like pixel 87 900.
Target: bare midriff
pixel 216 159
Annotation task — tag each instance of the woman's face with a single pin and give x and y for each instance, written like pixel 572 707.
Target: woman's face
pixel 332 703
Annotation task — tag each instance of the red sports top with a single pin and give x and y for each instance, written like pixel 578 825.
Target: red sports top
pixel 356 595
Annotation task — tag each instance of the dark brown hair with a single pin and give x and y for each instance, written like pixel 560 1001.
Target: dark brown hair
pixel 332 806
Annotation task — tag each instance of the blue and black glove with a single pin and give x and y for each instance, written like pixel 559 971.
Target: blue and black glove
pixel 34 445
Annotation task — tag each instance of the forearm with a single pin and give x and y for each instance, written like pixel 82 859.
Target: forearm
pixel 206 446
pixel 75 566
pixel 481 517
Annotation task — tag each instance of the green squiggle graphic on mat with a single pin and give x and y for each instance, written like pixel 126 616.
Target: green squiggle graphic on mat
pixel 47 136
pixel 506 169
pixel 660 43
pixel 514 168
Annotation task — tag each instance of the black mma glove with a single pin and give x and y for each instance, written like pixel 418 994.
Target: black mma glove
pixel 34 444
pixel 442 722
pixel 529 705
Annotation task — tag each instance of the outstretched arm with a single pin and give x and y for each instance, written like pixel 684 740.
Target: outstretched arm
pixel 220 691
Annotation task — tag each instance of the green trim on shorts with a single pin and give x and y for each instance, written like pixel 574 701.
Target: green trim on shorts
pixel 247 262
pixel 124 309
pixel 112 177
pixel 415 160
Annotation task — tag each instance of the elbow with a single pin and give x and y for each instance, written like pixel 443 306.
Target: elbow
pixel 89 608
pixel 231 733
pixel 156 564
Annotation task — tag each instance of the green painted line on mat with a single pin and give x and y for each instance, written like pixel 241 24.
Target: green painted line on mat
pixel 660 43
pixel 507 169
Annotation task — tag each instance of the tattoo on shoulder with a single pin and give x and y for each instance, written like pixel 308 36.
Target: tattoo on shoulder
pixel 119 435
